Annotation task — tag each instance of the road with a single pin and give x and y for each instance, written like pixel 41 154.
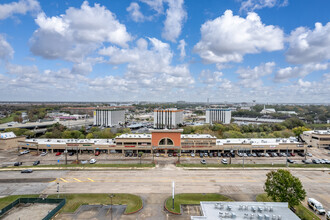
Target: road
pixel 238 184
pixel 29 125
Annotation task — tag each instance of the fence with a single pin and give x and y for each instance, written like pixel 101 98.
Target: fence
pixel 61 203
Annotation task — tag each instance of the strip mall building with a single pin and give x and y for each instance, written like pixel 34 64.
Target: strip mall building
pixel 164 141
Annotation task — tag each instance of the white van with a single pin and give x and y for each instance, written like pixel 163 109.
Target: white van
pixel 328 215
pixel 316 206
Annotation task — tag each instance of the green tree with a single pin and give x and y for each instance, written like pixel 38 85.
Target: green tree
pixel 89 136
pixel 282 186
pixel 299 130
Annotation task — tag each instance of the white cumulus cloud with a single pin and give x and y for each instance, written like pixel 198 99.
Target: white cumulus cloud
pixel 135 13
pixel 251 5
pixel 77 33
pixel 284 74
pixel 252 78
pixel 20 7
pixel 309 46
pixel 6 51
pixel 181 47
pixel 228 38
pixel 175 17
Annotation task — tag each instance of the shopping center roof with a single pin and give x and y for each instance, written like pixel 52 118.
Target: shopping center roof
pixel 71 141
pixel 245 210
pixel 257 141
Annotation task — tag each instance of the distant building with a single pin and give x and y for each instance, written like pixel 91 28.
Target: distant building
pixel 167 118
pixel 9 140
pixel 108 117
pixel 218 115
pixel 245 210
pixel 288 112
pixel 267 110
pixel 246 108
pixel 318 138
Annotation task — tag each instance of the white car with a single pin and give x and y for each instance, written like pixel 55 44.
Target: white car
pixel 157 154
pixel 266 155
pixel 224 161
pixel 192 155
pixel 309 154
pixel 327 215
pixel 44 153
pixel 92 161
pixel 316 206
pixel 83 161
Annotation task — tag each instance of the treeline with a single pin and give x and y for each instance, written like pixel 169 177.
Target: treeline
pixel 288 128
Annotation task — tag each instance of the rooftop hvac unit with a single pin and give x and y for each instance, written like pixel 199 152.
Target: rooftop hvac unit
pixel 260 209
pixel 260 216
pixel 271 208
pixel 267 217
pixel 279 217
pixel 233 215
pixel 229 207
pixel 273 217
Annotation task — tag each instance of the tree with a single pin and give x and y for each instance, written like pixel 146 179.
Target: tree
pixel 140 155
pixel 282 186
pixel 299 130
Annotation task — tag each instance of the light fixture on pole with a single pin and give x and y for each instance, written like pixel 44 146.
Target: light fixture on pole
pixel 173 185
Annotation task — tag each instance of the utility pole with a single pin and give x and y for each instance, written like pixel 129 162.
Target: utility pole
pixel 286 155
pixel 173 185
pixel 77 155
pixel 66 155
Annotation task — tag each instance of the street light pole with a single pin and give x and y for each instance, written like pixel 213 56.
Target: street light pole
pixel 58 190
pixel 111 196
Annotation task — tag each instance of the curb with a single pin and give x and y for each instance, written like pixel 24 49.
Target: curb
pixel 135 211
pixel 77 168
pixel 174 213
pixel 255 168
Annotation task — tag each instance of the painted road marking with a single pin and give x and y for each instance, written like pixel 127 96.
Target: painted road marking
pixel 63 180
pixel 91 180
pixel 77 180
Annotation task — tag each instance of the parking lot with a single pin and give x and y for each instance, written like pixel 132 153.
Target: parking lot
pixel 8 158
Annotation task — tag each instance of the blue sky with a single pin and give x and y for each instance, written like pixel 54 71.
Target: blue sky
pixel 165 50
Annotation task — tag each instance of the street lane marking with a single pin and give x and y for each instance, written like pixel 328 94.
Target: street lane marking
pixel 63 180
pixel 77 179
pixel 91 180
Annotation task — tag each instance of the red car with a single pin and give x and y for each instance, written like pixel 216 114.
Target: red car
pixel 97 153
pixel 292 154
pixel 58 154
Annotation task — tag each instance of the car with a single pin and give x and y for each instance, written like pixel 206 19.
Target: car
pixel 36 162
pixel 266 155
pixel 210 155
pixel 201 155
pixel 275 154
pixel 135 155
pixel 219 154
pixel 290 161
pixel 24 152
pixel 309 154
pixel 292 154
pixel 316 161
pixel 327 215
pixel 170 154
pixel 58 154
pixel 92 161
pixel 249 155
pixel 307 161
pixel 327 161
pixel 254 154
pixel 316 206
pixel 203 161
pixel 27 171
pixel 17 164
pixel 97 153
pixel 131 154
pixel 44 153
pixel 157 154
pixel 244 155
pixel 71 153
pixel 301 154
pixel 224 161
pixel 192 155
pixel 83 161
pixel 205 154
pixel 240 154
pixel 175 154
pixel 126 154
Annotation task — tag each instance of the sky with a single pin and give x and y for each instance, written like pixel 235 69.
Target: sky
pixel 275 51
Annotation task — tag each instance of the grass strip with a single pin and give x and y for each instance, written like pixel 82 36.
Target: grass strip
pixel 89 165
pixel 301 211
pixel 9 199
pixel 192 199
pixel 255 165
pixel 74 201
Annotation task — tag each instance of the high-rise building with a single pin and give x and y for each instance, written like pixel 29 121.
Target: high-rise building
pixel 218 115
pixel 108 117
pixel 167 118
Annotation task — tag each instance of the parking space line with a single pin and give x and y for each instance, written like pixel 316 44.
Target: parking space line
pixel 63 180
pixel 77 180
pixel 91 180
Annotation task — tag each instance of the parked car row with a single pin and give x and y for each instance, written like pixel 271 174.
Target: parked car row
pixel 92 161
